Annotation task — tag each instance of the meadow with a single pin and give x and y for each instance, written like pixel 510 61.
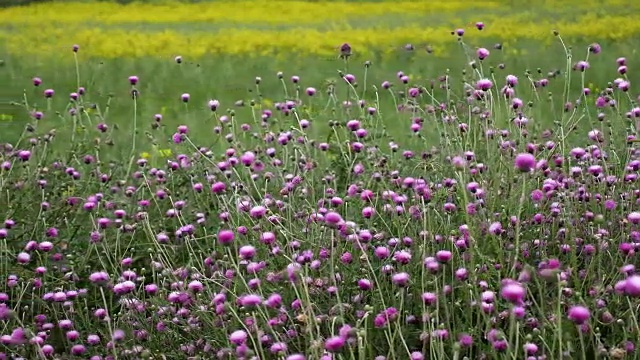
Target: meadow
pixel 319 180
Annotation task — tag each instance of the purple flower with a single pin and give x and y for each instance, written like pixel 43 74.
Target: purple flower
pixel 465 340
pixel 238 337
pixel 400 279
pixel 484 84
pixel 213 104
pixel 482 53
pixel 632 286
pixel 250 300
pixel 513 292
pixel 225 237
pixel 99 277
pixel 578 314
pixel 334 344
pixel 525 162
pixel 345 50
pixel 634 217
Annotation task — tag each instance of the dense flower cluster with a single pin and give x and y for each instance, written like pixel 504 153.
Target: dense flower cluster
pixel 504 223
pixel 278 12
pixel 259 28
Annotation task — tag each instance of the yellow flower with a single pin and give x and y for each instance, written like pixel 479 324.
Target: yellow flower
pixel 165 153
pixel 275 12
pixel 267 103
pixel 145 155
pixel 260 27
pixel 69 191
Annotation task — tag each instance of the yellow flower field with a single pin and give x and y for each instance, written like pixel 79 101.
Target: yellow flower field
pixel 241 12
pixel 263 27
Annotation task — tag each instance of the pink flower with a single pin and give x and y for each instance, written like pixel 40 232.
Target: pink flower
pixel 482 53
pixel 525 162
pixel 513 292
pixel 578 314
pixel 238 337
pixel 225 237
pixel 334 344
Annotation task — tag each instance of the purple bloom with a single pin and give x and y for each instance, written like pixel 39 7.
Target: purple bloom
pixel 578 314
pixel 334 344
pixel 632 286
pixel 513 292
pixel 238 337
pixel 525 162
pixel 345 50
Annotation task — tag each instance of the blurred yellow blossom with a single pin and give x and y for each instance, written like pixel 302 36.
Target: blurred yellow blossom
pixel 165 153
pixel 264 27
pixel 276 12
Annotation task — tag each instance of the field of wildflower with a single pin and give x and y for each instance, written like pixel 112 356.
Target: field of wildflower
pixel 264 27
pixel 320 180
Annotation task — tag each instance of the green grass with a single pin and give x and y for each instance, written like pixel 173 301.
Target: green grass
pixel 232 79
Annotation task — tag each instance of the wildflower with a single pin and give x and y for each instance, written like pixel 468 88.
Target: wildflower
pixel 578 314
pixel 513 292
pixel 334 344
pixel 248 158
pixel 400 279
pixel 250 300
pixel 525 162
pixel 444 256
pixel 225 237
pixel 465 340
pixel 213 105
pixel 482 53
pixel 429 298
pixel 632 285
pixel 530 348
pixel 238 337
pixel 99 277
pixel 345 50
pixel 634 217
pixel 581 65
pixel 484 84
pixel 595 48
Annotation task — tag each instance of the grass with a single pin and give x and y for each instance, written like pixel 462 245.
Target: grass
pixel 220 78
pixel 290 219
